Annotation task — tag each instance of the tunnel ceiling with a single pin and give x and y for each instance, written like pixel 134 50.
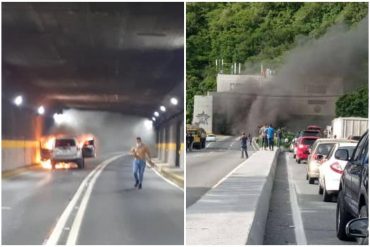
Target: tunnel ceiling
pixel 120 57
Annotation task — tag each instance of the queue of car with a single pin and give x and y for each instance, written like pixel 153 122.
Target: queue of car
pixel 341 168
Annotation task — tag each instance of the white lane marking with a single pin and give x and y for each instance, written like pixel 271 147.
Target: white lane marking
pixel 73 235
pixel 229 174
pixel 6 208
pixel 58 229
pixel 296 213
pixel 165 179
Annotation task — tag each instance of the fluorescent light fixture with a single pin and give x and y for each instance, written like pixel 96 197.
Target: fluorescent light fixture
pixel 41 110
pixel 156 114
pixel 163 108
pixel 174 101
pixel 18 100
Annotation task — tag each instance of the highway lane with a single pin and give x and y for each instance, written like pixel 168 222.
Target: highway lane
pixel 300 218
pixel 33 202
pixel 204 168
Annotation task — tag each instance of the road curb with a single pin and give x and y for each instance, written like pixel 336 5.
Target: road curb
pixel 254 144
pixel 167 173
pixel 235 212
pixel 18 171
pixel 257 231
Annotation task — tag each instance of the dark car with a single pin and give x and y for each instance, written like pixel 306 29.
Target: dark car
pixel 353 189
pixel 88 149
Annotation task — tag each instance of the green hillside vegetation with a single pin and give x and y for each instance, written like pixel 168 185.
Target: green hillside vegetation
pixel 252 33
pixel 354 104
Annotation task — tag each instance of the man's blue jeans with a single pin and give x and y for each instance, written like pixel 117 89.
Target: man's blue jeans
pixel 138 169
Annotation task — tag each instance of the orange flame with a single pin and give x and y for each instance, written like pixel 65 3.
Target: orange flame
pixel 47 143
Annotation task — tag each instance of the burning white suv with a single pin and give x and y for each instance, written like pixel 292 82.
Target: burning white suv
pixel 67 150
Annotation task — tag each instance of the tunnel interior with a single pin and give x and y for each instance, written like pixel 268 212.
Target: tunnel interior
pixel 110 65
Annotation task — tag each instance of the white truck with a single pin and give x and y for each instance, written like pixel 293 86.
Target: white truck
pixel 346 127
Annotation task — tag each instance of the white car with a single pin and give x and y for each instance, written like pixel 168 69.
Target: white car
pixel 67 150
pixel 211 138
pixel 332 169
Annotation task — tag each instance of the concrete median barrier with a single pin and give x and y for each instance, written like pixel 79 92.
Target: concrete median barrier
pixel 235 212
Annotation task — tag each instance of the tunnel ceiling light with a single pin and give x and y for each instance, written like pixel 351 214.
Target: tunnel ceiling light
pixel 156 114
pixel 58 118
pixel 174 101
pixel 148 124
pixel 163 108
pixel 41 110
pixel 18 100
pixel 153 118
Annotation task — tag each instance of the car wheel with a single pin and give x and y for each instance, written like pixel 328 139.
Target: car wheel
pixel 81 163
pixel 327 197
pixel 293 156
pixel 311 180
pixel 342 218
pixel 320 190
pixel 306 176
pixel 299 161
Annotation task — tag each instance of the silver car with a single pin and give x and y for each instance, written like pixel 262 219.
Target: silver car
pixel 320 149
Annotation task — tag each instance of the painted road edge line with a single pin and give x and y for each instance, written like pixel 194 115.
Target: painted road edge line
pixel 74 232
pixel 165 179
pixel 230 173
pixel 296 213
pixel 58 229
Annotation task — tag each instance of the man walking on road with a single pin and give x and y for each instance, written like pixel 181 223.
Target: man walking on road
pixel 243 144
pixel 270 137
pixel 140 152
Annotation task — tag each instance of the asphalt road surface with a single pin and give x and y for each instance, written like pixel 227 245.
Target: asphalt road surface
pixel 298 215
pixel 206 167
pixel 34 204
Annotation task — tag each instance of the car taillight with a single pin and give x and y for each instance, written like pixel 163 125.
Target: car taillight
pixel 336 167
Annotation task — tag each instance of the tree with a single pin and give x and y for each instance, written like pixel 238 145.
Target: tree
pixel 354 104
pixel 251 33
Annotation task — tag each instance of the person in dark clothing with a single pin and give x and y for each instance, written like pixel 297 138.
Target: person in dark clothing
pixel 279 135
pixel 243 144
pixel 191 141
pixel 188 141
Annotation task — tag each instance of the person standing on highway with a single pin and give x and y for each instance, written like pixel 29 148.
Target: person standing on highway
pixel 243 144
pixel 270 137
pixel 140 153
pixel 279 135
pixel 188 141
pixel 191 141
pixel 263 137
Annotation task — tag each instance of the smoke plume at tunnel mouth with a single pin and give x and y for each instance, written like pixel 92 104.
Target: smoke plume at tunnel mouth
pixel 314 71
pixel 114 132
